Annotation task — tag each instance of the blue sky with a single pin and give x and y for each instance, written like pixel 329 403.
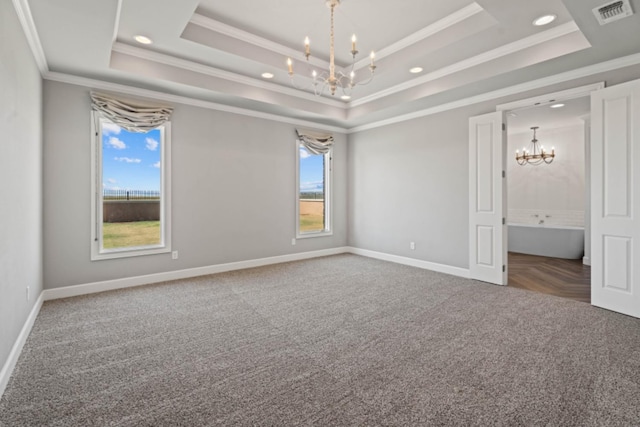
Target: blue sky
pixel 130 161
pixel 311 171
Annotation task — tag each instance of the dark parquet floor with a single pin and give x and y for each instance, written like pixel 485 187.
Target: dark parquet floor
pixel 560 277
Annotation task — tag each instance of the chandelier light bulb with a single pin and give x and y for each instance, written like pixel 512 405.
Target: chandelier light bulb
pixel 354 49
pixel 307 47
pixel 290 65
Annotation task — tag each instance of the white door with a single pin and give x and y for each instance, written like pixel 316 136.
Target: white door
pixel 615 198
pixel 487 202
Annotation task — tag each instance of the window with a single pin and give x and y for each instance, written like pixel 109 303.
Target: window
pixel 314 193
pixel 131 200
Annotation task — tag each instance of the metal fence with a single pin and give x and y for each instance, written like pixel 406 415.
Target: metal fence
pixel 130 195
pixel 312 195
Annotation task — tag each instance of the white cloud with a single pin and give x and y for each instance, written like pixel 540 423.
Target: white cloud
pixel 312 186
pixel 304 153
pixel 111 181
pixel 116 143
pixel 110 129
pixel 152 144
pixel 156 164
pixel 127 159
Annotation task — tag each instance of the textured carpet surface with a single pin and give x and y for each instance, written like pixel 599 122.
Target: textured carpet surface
pixel 341 340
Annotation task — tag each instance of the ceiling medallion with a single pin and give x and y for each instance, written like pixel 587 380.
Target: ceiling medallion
pixel 534 155
pixel 333 80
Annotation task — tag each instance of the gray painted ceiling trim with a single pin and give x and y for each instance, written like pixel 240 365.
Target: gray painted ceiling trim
pixel 488 96
pixel 587 71
pixel 178 99
pixel 536 39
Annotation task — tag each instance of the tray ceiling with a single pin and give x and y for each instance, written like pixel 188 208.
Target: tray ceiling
pixel 217 51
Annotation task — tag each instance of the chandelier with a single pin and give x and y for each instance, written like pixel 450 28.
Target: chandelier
pixel 333 80
pixel 535 155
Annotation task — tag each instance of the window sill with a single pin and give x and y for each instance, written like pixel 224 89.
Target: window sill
pixel 114 254
pixel 314 234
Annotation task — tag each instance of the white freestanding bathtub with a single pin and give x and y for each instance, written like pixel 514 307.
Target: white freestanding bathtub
pixel 547 240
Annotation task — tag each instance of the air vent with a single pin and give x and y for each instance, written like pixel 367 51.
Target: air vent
pixel 613 11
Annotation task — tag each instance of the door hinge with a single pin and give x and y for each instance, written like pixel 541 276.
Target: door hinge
pixel 504 221
pixel 504 268
pixel 504 175
pixel 504 127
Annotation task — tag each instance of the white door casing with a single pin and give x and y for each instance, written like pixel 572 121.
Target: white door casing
pixel 615 198
pixel 487 201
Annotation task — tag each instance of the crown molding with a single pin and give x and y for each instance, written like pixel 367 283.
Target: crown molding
pixel 440 25
pixel 31 33
pixel 184 64
pixel 236 33
pixel 563 95
pixel 542 37
pixel 590 70
pixel 247 37
pixel 116 24
pixel 508 49
pixel 178 99
pixel 587 71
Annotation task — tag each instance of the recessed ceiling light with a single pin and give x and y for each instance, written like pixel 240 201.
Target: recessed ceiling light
pixel 415 70
pixel 345 97
pixel 267 75
pixel 544 20
pixel 557 105
pixel 143 39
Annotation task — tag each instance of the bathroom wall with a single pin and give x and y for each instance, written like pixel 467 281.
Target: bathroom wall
pixel 553 193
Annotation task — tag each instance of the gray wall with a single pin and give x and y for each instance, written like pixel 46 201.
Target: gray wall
pixel 20 179
pixel 409 181
pixel 233 191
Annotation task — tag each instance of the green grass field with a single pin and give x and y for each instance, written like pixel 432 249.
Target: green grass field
pixel 129 234
pixel 311 215
pixel 311 223
pixel 146 233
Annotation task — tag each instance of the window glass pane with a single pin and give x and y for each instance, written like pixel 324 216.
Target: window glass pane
pixel 131 188
pixel 312 191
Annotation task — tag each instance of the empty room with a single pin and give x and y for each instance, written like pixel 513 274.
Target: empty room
pixel 319 212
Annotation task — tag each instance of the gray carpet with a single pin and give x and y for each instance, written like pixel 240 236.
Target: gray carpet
pixel 341 340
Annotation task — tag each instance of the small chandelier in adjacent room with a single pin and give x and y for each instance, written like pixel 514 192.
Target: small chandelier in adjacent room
pixel 535 155
pixel 333 80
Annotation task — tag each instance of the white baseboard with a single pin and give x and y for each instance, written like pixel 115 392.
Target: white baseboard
pixel 586 260
pixel 128 282
pixel 441 268
pixel 14 354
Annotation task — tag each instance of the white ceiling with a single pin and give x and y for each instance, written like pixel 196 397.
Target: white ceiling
pixel 216 50
pixel 573 113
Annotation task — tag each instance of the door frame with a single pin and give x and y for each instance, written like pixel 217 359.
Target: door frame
pixel 545 99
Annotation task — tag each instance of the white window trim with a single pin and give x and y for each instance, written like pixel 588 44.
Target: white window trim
pixel 328 203
pixel 96 198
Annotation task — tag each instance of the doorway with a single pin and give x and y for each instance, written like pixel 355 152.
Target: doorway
pixel 548 203
pixel 614 194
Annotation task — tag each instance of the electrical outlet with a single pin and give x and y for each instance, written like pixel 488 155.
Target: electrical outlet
pixel 412 245
pixel 174 255
pixel 293 241
pixel 27 293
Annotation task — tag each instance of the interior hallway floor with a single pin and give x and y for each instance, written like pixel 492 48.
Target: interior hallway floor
pixel 567 278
